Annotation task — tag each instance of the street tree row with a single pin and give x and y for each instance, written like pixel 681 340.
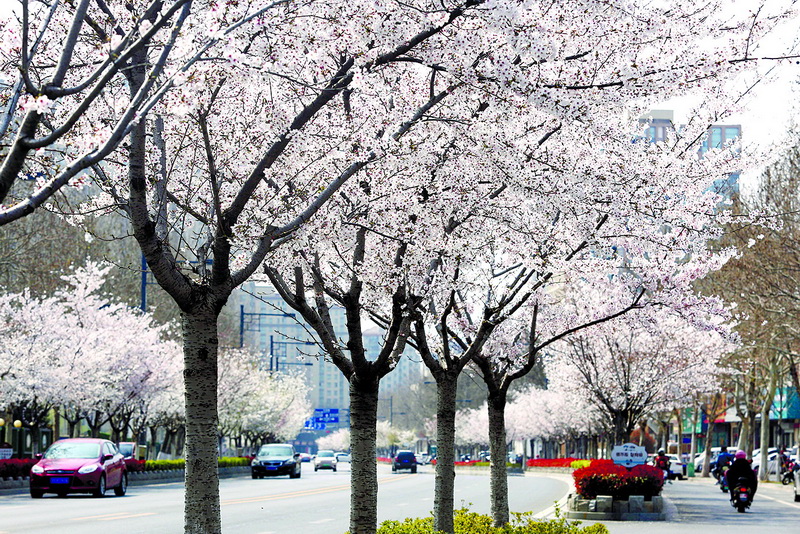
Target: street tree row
pixel 444 168
pixel 98 363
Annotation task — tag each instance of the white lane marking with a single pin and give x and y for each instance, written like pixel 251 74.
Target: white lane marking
pixel 793 505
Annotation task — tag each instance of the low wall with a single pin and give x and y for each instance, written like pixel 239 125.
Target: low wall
pixel 139 478
pixel 604 508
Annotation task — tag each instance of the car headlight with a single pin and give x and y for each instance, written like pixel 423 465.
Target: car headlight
pixel 37 469
pixel 88 469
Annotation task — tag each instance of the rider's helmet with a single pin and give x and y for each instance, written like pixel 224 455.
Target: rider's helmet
pixel 740 454
pixel 661 451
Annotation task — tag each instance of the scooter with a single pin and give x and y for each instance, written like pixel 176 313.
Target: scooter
pixel 741 496
pixel 789 473
pixel 723 480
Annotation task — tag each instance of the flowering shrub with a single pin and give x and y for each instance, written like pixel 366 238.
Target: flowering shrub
pixel 466 522
pixel 16 467
pixel 609 479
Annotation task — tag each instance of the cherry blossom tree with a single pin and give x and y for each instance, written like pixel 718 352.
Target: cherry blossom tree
pixel 637 364
pixel 107 354
pixel 63 66
pixel 338 440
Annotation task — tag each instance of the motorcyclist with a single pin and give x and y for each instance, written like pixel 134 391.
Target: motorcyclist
pixel 661 460
pixel 724 459
pixel 741 468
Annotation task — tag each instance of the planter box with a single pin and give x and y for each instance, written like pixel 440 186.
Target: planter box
pixel 608 508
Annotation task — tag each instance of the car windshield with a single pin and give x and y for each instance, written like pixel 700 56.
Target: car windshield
pixel 275 450
pixel 325 453
pixel 73 450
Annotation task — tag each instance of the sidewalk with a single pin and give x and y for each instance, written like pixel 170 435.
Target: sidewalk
pixel 698 505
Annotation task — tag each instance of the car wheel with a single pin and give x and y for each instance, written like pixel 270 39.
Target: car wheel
pixel 120 490
pixel 316 468
pixel 413 469
pixel 254 475
pixel 334 468
pixel 101 487
pixel 36 494
pixel 796 496
pixel 295 473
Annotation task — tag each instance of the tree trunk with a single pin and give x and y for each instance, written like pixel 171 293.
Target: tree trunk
pixel 744 435
pixel 497 450
pixel 444 485
pixel 152 453
pixel 766 407
pixel 707 457
pixel 364 475
pixel 200 344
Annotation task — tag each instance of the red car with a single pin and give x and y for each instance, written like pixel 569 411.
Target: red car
pixel 79 465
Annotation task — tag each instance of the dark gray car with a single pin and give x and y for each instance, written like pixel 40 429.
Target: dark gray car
pixel 276 459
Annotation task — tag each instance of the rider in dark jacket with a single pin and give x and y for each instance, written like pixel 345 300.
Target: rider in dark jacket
pixel 741 468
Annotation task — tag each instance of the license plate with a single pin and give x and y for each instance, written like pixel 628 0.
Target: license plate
pixel 743 497
pixel 59 480
pixel 272 468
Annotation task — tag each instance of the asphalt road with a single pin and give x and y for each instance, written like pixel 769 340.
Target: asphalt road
pixel 317 502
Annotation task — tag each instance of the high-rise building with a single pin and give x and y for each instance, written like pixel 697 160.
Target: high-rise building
pixel 660 123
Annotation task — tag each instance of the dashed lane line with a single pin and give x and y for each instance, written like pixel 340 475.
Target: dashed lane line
pixel 127 516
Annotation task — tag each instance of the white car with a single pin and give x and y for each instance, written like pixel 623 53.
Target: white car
pixel 677 469
pixel 772 455
pixel 324 460
pixel 342 457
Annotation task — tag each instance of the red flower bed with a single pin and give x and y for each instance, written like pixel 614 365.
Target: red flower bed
pixel 609 479
pixel 16 467
pixel 550 462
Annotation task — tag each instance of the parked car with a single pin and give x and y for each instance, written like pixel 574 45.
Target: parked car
pixel 772 458
pixel 677 469
pixel 423 459
pixel 796 486
pixel 404 460
pixel 127 449
pixel 342 457
pixel 325 460
pixel 305 457
pixel 79 465
pixel 276 459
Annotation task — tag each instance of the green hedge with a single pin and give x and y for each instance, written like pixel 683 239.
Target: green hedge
pixel 466 522
pixel 166 465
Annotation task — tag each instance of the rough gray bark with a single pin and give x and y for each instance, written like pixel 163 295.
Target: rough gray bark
pixel 444 483
pixel 497 449
pixel 364 477
pixel 201 501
